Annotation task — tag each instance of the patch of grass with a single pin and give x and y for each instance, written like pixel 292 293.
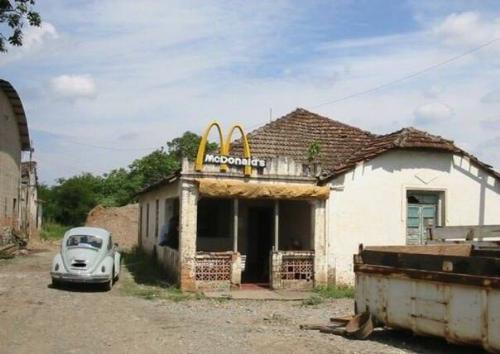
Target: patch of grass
pixel 313 300
pixel 323 293
pixel 335 292
pixel 148 280
pixel 53 231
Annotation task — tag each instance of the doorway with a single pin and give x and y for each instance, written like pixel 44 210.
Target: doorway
pixel 422 213
pixel 260 229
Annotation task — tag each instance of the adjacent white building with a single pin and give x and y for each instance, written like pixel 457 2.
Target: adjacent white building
pixel 326 188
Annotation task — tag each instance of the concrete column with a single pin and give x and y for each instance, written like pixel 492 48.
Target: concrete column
pixel 318 216
pixel 187 235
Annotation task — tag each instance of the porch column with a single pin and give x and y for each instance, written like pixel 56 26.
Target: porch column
pixel 276 224
pixel 318 218
pixel 187 235
pixel 235 225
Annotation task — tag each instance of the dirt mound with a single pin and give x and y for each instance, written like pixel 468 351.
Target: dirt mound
pixel 122 222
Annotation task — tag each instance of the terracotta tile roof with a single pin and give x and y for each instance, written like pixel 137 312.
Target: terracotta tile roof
pixel 292 134
pixel 341 146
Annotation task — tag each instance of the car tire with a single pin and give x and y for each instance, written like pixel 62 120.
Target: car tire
pixel 56 283
pixel 108 285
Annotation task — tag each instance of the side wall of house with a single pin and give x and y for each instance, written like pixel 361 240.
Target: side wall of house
pixel 10 160
pixel 150 233
pixel 368 205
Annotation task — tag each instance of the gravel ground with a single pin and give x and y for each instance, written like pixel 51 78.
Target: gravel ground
pixel 34 318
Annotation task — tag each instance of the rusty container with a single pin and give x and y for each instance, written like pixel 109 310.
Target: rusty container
pixel 445 290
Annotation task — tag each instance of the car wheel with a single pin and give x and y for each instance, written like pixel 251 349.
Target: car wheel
pixel 56 283
pixel 108 285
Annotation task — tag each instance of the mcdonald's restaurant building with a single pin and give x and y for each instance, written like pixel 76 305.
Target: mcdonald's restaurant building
pixel 287 205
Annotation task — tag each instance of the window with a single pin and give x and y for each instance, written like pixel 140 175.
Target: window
pixel 84 241
pixel 140 222
pixel 423 212
pixel 157 217
pixel 14 205
pixel 147 220
pixel 214 220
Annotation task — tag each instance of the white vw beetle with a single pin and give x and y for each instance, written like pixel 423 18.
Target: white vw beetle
pixel 87 255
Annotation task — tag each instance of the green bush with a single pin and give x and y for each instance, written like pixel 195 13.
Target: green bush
pixel 53 231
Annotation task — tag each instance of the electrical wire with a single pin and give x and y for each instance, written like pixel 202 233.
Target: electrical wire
pixel 409 76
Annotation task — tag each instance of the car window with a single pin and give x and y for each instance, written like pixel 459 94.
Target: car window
pixel 84 240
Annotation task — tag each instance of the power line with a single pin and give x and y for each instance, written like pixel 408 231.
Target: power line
pixel 409 76
pixel 110 147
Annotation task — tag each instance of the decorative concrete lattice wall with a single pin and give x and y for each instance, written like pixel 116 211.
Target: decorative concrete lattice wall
pixel 297 268
pixel 215 270
pixel 292 269
pixel 213 267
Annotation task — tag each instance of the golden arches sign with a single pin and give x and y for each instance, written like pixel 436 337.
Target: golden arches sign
pixel 225 147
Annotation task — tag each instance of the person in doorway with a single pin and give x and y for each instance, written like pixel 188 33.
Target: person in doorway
pixel 171 236
pixel 163 234
pixel 173 232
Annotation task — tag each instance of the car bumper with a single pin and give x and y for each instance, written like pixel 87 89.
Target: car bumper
pixel 80 278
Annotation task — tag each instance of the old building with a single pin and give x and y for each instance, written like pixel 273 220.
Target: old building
pixel 291 208
pixel 14 138
pixel 30 206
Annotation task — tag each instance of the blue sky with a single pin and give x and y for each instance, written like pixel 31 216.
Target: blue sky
pixel 105 82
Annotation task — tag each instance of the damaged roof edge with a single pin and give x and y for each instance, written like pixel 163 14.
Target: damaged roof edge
pixel 168 179
pixel 17 108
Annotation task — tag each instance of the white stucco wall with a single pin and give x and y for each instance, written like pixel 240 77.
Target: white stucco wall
pixel 168 191
pixel 368 205
pixel 10 160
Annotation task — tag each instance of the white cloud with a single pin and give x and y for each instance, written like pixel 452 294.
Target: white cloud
pixel 73 86
pixel 36 36
pixel 467 28
pixel 165 68
pixel 433 91
pixel 435 112
pixel 491 97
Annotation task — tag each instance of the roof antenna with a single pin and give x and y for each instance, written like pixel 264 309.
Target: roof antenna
pixel 270 115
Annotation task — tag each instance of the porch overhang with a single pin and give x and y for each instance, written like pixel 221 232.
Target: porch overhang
pixel 226 188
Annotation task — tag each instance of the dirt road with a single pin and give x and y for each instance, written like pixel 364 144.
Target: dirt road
pixel 34 318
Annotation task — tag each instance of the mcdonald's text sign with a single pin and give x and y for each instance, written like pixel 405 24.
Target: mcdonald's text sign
pixel 223 158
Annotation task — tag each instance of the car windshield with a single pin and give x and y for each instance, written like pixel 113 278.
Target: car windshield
pixel 84 240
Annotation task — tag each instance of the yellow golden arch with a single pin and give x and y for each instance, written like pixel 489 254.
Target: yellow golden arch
pixel 225 146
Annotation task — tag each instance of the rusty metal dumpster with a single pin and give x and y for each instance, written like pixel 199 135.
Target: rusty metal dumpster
pixel 445 290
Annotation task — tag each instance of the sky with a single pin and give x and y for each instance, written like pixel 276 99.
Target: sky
pixel 104 82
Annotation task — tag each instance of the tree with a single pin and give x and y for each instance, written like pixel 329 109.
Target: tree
pixel 75 197
pixel 69 201
pixel 119 187
pixel 153 167
pixel 187 146
pixel 15 14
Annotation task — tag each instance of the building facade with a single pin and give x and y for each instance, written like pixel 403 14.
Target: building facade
pixel 15 213
pixel 30 205
pixel 290 208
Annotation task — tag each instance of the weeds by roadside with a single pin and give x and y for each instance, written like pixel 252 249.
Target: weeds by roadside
pixel 328 292
pixel 335 292
pixel 147 279
pixel 53 231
